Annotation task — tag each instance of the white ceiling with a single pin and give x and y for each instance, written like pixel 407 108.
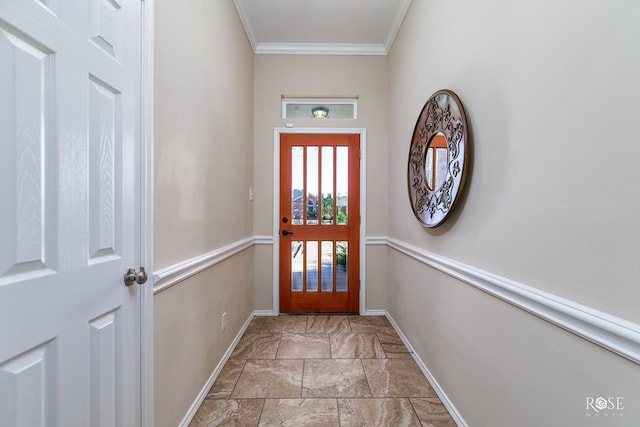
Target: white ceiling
pixel 348 27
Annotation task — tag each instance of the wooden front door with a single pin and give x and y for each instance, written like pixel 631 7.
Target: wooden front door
pixel 319 223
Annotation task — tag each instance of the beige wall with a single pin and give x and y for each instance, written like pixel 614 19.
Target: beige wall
pixel 316 76
pixel 203 171
pixel 551 93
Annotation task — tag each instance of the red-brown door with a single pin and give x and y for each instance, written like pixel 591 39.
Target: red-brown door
pixel 319 223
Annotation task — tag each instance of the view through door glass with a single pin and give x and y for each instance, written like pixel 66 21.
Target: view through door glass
pixel 319 223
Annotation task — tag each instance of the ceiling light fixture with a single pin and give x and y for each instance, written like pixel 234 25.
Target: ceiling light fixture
pixel 320 112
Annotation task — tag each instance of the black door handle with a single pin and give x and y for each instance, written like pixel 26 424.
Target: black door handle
pixel 286 232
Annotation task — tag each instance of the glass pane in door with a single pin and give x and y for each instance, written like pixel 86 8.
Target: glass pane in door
pixel 312 186
pixel 327 267
pixel 312 266
pixel 297 184
pixel 328 205
pixel 342 274
pixel 342 184
pixel 297 263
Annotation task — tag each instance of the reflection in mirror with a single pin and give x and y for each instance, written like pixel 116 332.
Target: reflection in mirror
pixel 436 161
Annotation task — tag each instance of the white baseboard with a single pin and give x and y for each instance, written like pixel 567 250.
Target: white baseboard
pixel 259 313
pixel 214 375
pixel 434 384
pixel 375 313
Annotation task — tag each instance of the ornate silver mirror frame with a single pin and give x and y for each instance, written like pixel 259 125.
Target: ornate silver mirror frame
pixel 434 188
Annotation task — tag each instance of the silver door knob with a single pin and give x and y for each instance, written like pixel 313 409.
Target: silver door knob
pixel 132 276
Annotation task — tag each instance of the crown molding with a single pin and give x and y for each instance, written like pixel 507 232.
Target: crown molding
pixel 266 48
pixel 246 23
pixel 319 49
pixel 397 23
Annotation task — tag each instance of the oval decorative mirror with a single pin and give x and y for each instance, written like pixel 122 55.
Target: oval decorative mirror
pixel 437 158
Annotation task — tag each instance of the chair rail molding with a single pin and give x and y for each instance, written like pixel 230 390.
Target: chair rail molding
pixel 608 331
pixel 169 276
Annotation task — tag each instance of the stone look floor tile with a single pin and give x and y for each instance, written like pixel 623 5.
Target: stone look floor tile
pixel 304 346
pixel 255 326
pixel 227 379
pixel 432 412
pixel 334 378
pixel 391 353
pixel 370 325
pixel 228 412
pixel 300 412
pixel 393 347
pixel 270 379
pixel 328 324
pixel 396 378
pixel 282 324
pixel 356 346
pixel 324 370
pixel 386 337
pixel 377 412
pixel 257 346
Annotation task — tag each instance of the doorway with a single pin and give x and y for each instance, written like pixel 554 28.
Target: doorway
pixel 319 223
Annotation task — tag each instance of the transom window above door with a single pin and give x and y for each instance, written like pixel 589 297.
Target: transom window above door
pixel 321 108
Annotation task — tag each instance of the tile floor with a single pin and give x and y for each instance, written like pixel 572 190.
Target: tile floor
pixel 321 370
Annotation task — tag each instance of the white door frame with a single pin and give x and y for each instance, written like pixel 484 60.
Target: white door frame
pixel 146 213
pixel 276 205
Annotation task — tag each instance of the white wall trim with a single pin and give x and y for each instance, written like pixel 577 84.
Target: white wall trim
pixel 434 384
pixel 246 23
pixel 263 240
pixel 377 240
pixel 402 12
pixel 610 332
pixel 319 49
pixel 374 313
pixel 263 313
pixel 169 276
pixel 146 209
pixel 214 375
pixel 276 205
pixel 322 48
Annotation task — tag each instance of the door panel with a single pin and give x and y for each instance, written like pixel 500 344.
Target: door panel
pixel 319 222
pixel 69 218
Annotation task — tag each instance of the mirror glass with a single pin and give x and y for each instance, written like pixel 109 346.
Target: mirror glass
pixel 436 161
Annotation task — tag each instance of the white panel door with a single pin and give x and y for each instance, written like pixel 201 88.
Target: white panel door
pixel 69 212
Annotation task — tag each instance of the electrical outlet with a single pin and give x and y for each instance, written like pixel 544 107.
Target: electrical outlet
pixel 224 322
